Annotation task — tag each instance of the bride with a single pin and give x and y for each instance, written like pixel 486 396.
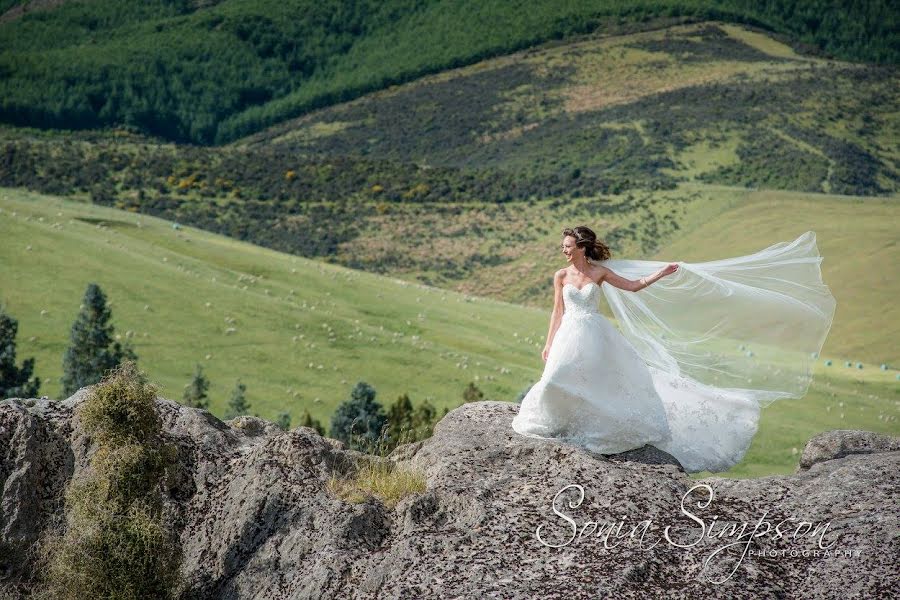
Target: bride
pixel 703 347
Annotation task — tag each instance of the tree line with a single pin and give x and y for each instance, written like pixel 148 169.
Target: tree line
pixel 187 72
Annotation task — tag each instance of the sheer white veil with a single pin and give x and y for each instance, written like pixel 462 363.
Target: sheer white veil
pixel 751 324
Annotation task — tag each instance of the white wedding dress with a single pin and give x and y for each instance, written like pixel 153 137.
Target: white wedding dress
pixel 700 352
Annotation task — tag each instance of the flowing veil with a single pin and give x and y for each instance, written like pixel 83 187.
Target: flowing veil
pixel 751 324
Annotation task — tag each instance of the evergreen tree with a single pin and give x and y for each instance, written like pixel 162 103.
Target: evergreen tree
pixel 15 382
pixel 358 421
pixel 238 405
pixel 401 423
pixel 195 391
pixel 407 424
pixel 93 350
pixel 472 393
pixel 307 421
pixel 424 420
pixel 284 420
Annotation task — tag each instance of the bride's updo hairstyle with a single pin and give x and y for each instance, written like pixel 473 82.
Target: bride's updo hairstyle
pixel 587 239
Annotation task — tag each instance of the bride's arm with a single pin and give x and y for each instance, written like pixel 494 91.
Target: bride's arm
pixel 634 285
pixel 558 310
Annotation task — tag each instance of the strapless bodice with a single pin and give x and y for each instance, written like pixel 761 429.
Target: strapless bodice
pixel 584 301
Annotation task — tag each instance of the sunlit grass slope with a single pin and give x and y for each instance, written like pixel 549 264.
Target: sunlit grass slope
pixel 304 332
pixel 708 102
pixel 856 236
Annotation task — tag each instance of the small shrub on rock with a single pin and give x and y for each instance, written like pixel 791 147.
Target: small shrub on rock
pixel 115 542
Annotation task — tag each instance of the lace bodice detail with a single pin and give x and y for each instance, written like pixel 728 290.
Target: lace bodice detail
pixel 584 301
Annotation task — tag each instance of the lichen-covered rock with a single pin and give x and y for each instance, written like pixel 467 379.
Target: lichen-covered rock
pixel 38 454
pixel 839 443
pixel 503 515
pixel 254 425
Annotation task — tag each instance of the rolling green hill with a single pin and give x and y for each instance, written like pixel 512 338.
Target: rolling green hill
pixel 306 332
pixel 212 71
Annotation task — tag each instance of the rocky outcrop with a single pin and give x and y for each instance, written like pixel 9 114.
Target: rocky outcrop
pixel 503 515
pixel 843 442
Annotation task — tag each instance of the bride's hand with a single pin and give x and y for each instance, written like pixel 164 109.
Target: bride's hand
pixel 669 268
pixel 544 353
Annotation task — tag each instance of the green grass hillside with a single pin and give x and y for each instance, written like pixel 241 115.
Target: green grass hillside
pixel 857 238
pixel 306 332
pixel 213 71
pixel 407 238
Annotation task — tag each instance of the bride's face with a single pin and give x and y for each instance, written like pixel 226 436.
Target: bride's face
pixel 570 250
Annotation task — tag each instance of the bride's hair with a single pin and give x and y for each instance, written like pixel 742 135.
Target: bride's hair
pixel 587 239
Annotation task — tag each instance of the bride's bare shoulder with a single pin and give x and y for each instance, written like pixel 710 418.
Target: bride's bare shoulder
pixel 600 272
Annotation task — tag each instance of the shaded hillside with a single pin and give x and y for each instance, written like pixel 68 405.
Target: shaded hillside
pixel 208 72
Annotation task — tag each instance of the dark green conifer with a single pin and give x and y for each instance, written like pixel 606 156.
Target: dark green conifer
pixel 93 349
pixel 195 391
pixel 238 404
pixel 15 382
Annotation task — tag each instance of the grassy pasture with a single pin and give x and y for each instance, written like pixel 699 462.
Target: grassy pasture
pixel 305 332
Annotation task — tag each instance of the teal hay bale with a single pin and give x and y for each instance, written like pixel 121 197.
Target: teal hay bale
pixel 883 367
pixel 848 364
pixel 859 365
pixel 828 363
pixel 815 355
